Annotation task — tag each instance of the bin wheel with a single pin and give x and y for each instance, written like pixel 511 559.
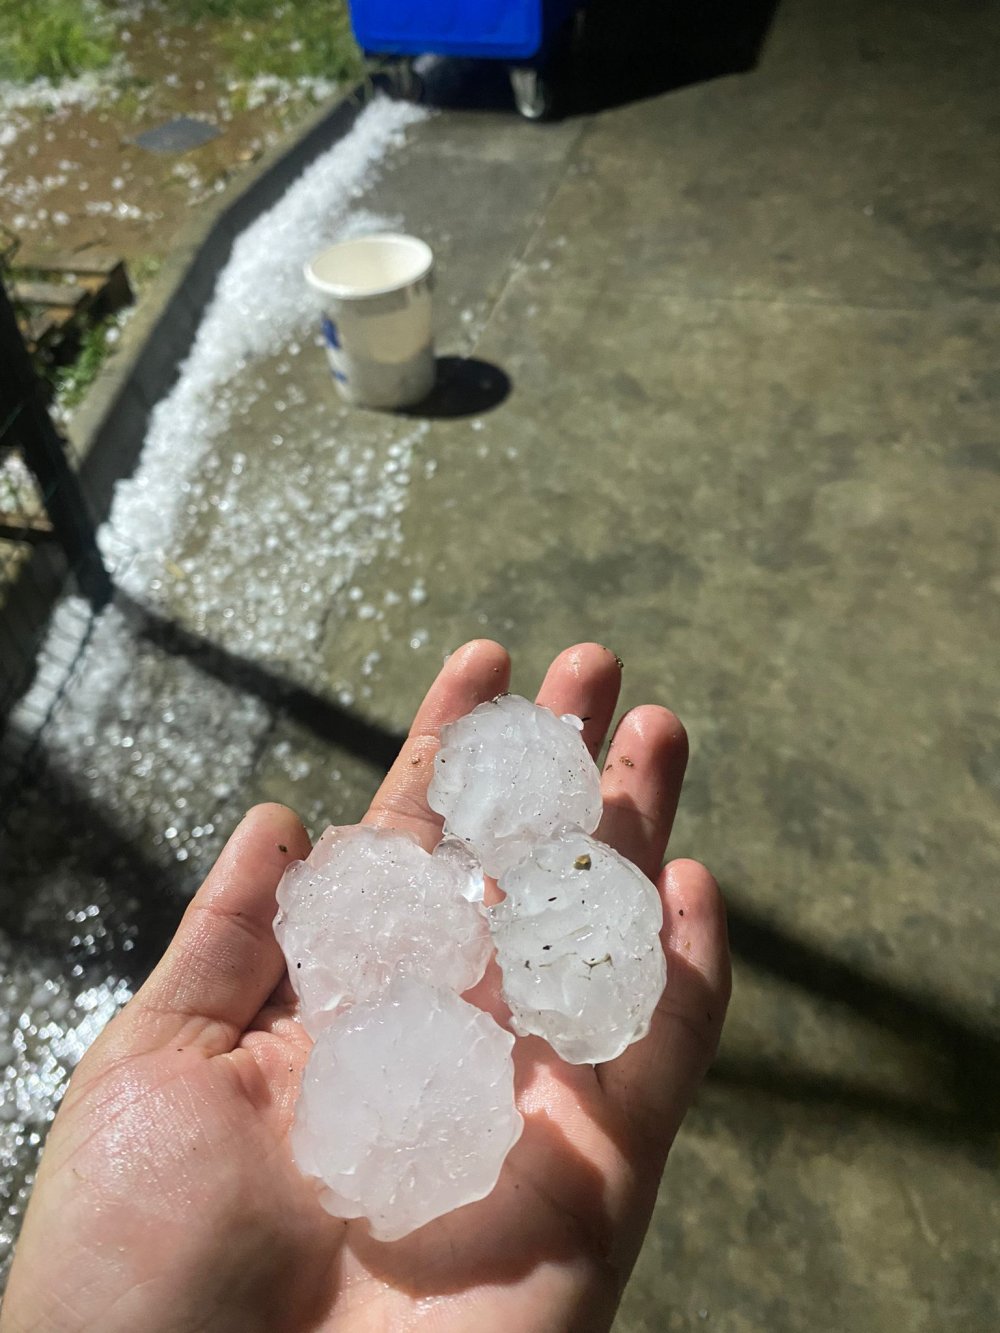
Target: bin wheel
pixel 534 95
pixel 407 85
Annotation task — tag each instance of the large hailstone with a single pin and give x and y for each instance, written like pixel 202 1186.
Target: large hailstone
pixel 370 904
pixel 577 940
pixel 509 773
pixel 407 1108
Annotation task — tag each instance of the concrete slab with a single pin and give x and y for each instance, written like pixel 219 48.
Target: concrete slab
pixel 761 508
pixel 474 186
pixel 854 165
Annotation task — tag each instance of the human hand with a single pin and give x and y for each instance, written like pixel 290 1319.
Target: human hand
pixel 167 1198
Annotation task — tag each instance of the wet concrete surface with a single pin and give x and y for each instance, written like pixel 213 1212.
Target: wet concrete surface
pixel 749 329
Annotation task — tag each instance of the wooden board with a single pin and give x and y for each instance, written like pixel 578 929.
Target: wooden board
pixel 67 292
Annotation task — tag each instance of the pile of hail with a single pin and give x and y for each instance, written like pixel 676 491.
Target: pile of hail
pixel 407 1106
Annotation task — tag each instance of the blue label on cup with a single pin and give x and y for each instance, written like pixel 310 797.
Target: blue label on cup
pixel 330 332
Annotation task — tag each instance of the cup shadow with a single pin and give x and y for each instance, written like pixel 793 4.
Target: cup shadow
pixel 466 386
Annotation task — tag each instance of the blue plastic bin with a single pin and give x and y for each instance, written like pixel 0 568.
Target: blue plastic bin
pixel 514 30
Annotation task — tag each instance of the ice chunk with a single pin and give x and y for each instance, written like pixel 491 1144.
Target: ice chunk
pixel 370 904
pixel 458 855
pixel 510 772
pixel 577 940
pixel 407 1108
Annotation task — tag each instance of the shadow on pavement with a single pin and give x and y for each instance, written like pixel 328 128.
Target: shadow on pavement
pixel 640 49
pixel 57 826
pixel 619 53
pixel 452 84
pixel 465 387
pixel 960 1065
pixel 324 719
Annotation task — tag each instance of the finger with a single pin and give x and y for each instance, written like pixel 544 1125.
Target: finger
pixel 224 961
pixel 656 1078
pixel 475 673
pixel 641 785
pixel 584 680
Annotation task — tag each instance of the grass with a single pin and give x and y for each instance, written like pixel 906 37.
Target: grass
pixel 71 383
pixel 304 39
pixel 52 39
pixel 142 269
pixel 58 39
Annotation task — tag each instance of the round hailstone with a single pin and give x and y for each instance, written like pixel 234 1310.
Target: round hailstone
pixel 370 904
pixel 407 1108
pixel 508 773
pixel 577 940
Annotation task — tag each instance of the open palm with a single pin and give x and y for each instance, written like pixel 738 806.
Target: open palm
pixel 167 1198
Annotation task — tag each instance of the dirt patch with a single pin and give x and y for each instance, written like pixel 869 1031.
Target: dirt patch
pixel 72 175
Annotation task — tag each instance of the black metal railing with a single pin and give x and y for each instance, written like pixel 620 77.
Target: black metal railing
pixel 47 532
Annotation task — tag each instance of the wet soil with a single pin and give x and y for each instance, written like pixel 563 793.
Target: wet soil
pixel 72 175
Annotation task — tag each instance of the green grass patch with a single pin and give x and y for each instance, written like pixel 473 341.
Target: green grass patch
pixel 59 39
pixel 224 9
pixel 142 269
pixel 70 383
pixel 305 39
pixel 52 39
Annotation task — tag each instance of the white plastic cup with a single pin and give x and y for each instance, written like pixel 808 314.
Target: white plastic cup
pixel 375 294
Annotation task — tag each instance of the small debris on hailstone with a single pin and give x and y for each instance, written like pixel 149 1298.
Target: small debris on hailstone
pixel 510 772
pixel 577 941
